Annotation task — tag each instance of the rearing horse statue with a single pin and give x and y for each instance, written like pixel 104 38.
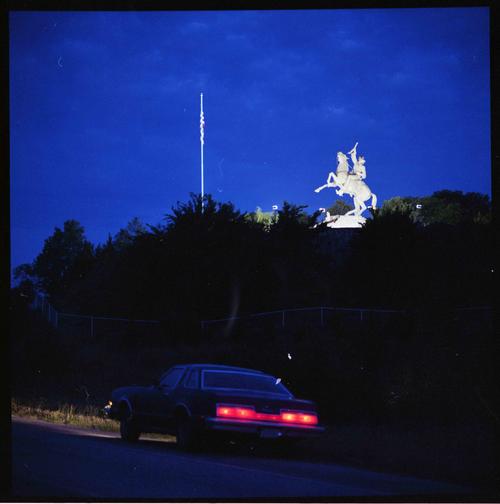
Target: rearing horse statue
pixel 351 182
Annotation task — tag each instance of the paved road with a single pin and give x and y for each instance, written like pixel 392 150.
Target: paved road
pixel 58 461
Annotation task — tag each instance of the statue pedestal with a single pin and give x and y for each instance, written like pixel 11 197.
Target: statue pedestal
pixel 345 221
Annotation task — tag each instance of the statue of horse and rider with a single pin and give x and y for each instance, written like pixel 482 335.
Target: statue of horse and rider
pixel 351 182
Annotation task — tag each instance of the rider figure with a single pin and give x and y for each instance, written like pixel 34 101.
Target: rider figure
pixel 358 172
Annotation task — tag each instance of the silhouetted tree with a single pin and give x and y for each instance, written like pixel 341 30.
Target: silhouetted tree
pixel 209 256
pixel 66 257
pixel 381 270
pixel 266 219
pixel 340 208
pixel 295 259
pixel 442 207
pixel 126 236
pixel 24 284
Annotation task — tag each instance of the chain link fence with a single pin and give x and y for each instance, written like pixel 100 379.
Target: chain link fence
pixel 370 323
pixel 92 326
pixel 462 322
pixel 302 318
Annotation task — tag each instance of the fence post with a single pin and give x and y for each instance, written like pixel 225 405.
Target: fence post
pixel 361 315
pixel 283 318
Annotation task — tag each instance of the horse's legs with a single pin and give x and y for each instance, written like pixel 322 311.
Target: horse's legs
pixel 356 206
pixel 361 207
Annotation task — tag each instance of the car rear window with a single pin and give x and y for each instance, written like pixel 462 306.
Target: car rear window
pixel 230 380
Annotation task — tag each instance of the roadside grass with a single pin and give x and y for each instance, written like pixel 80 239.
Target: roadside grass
pixel 84 417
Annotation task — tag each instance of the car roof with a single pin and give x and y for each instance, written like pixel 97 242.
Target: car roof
pixel 220 367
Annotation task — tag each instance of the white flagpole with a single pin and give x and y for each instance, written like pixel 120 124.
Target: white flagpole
pixel 202 143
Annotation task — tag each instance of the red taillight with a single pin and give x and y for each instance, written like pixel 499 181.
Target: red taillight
pixel 249 413
pixel 298 417
pixel 240 412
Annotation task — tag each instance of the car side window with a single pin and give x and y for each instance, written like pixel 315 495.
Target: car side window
pixel 193 379
pixel 171 378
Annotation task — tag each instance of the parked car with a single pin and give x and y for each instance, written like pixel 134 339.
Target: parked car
pixel 193 401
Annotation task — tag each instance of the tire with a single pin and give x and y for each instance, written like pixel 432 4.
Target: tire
pixel 188 436
pixel 129 430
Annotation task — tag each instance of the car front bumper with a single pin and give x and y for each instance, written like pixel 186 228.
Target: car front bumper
pixel 263 429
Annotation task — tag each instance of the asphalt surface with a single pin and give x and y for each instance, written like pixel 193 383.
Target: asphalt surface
pixel 58 461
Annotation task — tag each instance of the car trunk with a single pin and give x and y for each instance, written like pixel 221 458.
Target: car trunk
pixel 271 403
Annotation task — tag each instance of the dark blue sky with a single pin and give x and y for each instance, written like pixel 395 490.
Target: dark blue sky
pixel 104 110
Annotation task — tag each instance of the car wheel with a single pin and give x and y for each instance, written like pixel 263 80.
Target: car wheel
pixel 129 430
pixel 188 436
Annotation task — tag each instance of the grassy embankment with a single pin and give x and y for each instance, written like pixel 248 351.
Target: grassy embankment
pixel 87 417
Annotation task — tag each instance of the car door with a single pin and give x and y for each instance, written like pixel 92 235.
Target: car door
pixel 188 390
pixel 161 405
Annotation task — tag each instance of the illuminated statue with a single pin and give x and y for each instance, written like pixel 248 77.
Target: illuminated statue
pixel 358 165
pixel 351 182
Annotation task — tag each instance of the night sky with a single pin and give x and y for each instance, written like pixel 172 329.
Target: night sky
pixel 104 110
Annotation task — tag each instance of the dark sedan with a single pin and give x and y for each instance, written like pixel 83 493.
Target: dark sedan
pixel 193 401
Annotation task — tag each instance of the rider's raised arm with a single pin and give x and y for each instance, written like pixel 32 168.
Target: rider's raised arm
pixel 353 157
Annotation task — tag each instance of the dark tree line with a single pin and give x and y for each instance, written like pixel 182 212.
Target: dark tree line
pixel 208 260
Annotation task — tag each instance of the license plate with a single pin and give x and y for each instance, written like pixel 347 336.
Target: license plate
pixel 270 433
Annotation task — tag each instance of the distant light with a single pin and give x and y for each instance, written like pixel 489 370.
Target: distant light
pixel 418 206
pixel 278 381
pixel 492 270
pixel 289 357
pixel 275 207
